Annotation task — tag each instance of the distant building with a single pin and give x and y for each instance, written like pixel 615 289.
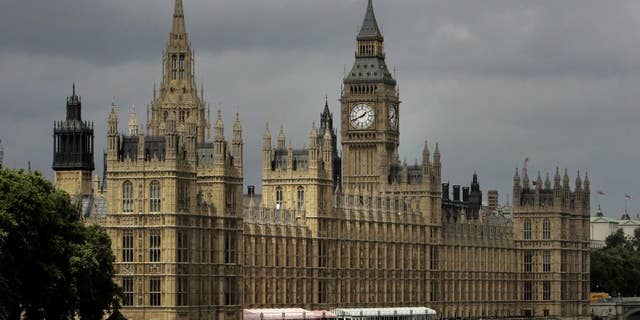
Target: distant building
pixel 602 227
pixel 492 200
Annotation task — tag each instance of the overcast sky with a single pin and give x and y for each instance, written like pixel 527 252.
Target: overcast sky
pixel 492 81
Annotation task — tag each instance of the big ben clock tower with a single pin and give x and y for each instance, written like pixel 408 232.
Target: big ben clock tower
pixel 370 111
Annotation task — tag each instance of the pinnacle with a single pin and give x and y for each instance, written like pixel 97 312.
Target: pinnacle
pixel 370 29
pixel 178 18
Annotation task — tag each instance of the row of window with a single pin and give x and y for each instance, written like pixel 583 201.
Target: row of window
pixel 155 202
pixel 177 65
pixel 546 229
pixel 182 247
pixel 527 292
pixel 182 289
pixel 299 201
pixel 528 261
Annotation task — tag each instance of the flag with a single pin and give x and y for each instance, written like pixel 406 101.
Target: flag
pixel 601 193
pixel 627 197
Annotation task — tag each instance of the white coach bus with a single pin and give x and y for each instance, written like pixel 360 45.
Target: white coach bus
pixel 417 313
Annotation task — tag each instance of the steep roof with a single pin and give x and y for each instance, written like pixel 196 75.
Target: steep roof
pixel 370 29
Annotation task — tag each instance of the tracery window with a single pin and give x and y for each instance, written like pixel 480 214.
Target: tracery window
pixel 279 197
pixel 546 261
pixel 154 197
pixel 154 246
pixel 546 229
pixel 546 290
pixel 300 198
pixel 127 196
pixel 528 291
pixel 174 63
pixel 127 247
pixel 127 291
pixel 181 66
pixel 183 247
pixel 183 285
pixel 527 229
pixel 230 248
pixel 528 262
pixel 154 291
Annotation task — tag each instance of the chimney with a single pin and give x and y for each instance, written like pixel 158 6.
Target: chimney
pixel 445 191
pixel 465 194
pixel 251 191
pixel 456 193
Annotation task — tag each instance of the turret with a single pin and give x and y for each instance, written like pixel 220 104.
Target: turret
pixel 587 194
pixel 290 157
pixel 266 148
pixel 191 137
pixel 313 147
pixel 557 192
pixel 517 189
pixel 436 162
pixel 219 149
pixel 426 161
pixel 171 136
pixel 547 182
pixel 238 143
pixel 112 134
pixel 327 150
pixel 133 122
pixel 578 191
pixel 282 139
pixel 525 178
pixel 566 189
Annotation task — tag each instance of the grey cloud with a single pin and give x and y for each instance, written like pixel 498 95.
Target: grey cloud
pixel 492 81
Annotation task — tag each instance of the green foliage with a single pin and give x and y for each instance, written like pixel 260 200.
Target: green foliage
pixel 51 265
pixel 615 269
pixel 616 240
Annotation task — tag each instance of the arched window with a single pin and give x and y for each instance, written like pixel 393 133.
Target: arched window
pixel 527 229
pixel 300 198
pixel 127 196
pixel 154 197
pixel 279 197
pixel 546 229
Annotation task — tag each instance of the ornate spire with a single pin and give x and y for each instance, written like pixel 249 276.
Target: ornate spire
pixel 547 182
pixel 237 127
pixel 219 126
pixel 74 106
pixel 133 122
pixel 282 139
pixel 178 19
pixel 369 29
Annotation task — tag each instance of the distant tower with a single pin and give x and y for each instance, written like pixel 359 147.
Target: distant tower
pixel 73 150
pixel 492 200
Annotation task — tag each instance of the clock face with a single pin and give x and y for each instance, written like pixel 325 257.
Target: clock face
pixel 362 116
pixel 393 116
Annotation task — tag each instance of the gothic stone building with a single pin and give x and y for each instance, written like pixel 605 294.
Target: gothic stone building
pixel 360 229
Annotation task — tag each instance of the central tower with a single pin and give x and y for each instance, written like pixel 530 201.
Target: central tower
pixel 370 112
pixel 178 91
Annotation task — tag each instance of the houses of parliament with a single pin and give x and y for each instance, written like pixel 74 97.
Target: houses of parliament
pixel 340 223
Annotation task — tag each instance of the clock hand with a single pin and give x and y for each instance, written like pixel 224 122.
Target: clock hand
pixel 362 115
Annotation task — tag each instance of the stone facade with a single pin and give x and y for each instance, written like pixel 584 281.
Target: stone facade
pixel 361 229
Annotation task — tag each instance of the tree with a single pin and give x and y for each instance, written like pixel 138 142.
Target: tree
pixel 636 238
pixel 616 240
pixel 50 263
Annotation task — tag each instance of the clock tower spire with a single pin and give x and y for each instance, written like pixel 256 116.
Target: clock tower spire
pixel 369 112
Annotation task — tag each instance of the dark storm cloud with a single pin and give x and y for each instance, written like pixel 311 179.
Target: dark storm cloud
pixel 492 81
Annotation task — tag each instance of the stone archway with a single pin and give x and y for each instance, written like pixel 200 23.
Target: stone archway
pixel 633 314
